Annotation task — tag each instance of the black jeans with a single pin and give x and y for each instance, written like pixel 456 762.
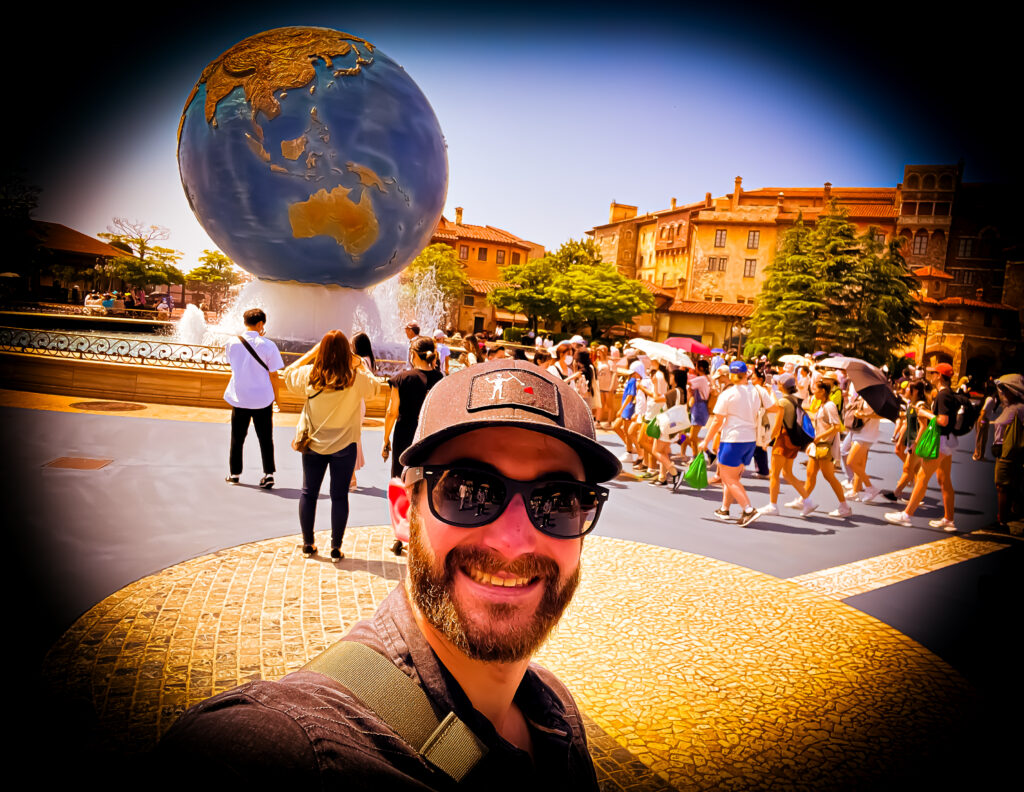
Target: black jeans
pixel 263 422
pixel 314 466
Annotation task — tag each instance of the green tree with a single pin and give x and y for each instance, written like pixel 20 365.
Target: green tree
pixel 23 252
pixel 880 312
pixel 829 288
pixel 216 271
pixel 529 293
pixel 598 295
pixel 435 271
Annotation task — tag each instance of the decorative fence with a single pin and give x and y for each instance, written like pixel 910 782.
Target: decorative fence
pixel 90 346
pixel 137 351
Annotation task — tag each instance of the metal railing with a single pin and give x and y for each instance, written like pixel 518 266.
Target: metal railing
pixel 90 346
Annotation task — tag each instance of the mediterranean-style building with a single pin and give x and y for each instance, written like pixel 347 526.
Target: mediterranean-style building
pixel 483 251
pixel 705 262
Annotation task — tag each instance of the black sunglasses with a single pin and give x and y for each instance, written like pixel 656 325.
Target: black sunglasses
pixel 468 498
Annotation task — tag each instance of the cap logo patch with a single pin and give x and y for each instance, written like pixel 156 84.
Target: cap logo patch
pixel 513 388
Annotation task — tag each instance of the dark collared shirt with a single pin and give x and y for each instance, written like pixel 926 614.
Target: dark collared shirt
pixel 307 732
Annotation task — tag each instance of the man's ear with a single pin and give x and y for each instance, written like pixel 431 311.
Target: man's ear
pixel 398 503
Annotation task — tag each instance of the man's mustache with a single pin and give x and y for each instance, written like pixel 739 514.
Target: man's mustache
pixel 529 565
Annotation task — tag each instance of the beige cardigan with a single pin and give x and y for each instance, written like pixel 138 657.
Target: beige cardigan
pixel 333 416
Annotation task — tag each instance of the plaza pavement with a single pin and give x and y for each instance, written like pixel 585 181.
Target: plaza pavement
pixel 792 654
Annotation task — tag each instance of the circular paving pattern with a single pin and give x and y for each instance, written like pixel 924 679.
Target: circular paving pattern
pixel 693 673
pixel 107 406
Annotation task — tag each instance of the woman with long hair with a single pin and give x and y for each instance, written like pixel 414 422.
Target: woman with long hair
pixel 911 461
pixel 865 427
pixel 700 393
pixel 823 453
pixel 364 349
pixel 334 382
pixel 408 390
pixel 667 472
pixel 606 387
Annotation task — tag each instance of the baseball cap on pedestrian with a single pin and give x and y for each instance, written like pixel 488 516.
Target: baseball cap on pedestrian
pixel 514 393
pixel 944 369
pixel 737 367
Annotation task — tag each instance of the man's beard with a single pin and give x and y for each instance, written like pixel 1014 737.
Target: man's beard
pixel 498 640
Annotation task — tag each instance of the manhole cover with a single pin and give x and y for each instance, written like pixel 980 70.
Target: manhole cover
pixel 78 463
pixel 108 406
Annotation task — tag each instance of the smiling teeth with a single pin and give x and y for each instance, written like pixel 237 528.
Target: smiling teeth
pixel 493 580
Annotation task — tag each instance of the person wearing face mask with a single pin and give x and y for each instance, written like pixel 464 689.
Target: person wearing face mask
pixel 562 367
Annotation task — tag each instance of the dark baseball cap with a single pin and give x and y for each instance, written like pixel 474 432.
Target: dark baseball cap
pixel 513 393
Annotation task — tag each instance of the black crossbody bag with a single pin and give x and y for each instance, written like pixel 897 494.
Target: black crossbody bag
pixel 253 353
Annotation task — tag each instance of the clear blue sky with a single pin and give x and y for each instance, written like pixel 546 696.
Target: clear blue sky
pixel 550 112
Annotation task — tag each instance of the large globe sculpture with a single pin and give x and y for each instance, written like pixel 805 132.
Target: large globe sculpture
pixel 308 155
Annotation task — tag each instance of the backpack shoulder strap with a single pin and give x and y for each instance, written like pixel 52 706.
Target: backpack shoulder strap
pixel 448 744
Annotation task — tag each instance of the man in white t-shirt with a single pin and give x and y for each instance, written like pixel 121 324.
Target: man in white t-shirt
pixel 251 392
pixel 735 416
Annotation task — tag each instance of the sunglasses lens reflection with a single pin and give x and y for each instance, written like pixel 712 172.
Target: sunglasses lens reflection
pixel 470 498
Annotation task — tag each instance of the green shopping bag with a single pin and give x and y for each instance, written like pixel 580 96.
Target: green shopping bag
pixel 653 430
pixel 928 443
pixel 696 474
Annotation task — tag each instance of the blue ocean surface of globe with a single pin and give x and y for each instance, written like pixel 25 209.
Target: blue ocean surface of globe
pixel 309 155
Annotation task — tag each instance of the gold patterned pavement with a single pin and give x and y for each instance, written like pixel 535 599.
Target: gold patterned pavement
pixel 693 673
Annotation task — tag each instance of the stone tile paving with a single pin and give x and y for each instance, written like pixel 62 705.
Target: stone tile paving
pixel 869 574
pixel 693 673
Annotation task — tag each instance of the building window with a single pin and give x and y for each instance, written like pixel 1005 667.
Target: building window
pixel 924 208
pixel 720 237
pixel 482 254
pixel 712 263
pixel 718 298
pixel 921 243
pixel 753 240
pixel 468 300
pixel 909 208
pixel 879 237
pixel 499 257
pixel 463 252
pixel 942 209
pixel 965 248
pixel 749 268
pixel 722 261
pixel 515 257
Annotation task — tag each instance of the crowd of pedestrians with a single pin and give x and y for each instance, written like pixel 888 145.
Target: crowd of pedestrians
pixel 795 422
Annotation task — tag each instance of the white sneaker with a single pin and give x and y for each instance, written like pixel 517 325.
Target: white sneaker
pixel 898 518
pixel 798 503
pixel 944 524
pixel 869 495
pixel 844 510
pixel 808 507
pixel 769 508
pixel 625 456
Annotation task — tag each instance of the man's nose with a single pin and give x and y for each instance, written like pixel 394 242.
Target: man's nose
pixel 512 534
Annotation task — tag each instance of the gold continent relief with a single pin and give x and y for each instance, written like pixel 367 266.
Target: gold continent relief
pixel 353 225
pixel 276 60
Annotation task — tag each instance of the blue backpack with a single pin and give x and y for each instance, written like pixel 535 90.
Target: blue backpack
pixel 801 434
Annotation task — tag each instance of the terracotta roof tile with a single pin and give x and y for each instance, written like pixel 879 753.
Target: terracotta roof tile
pixel 59 237
pixel 967 302
pixel 931 272
pixel 449 230
pixel 482 286
pixel 658 291
pixel 708 308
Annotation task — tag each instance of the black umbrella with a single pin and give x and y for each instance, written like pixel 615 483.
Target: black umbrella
pixel 871 384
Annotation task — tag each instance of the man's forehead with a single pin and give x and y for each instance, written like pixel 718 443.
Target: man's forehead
pixel 517 453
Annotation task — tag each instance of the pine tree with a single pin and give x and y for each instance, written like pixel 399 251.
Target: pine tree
pixel 830 289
